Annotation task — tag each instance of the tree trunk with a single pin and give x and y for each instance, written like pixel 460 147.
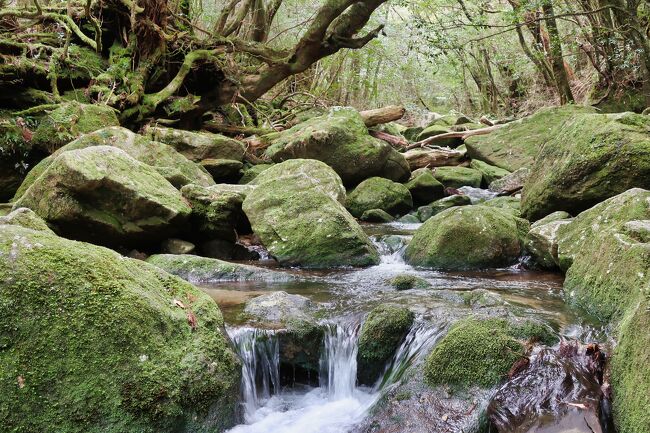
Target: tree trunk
pixel 557 59
pixel 382 115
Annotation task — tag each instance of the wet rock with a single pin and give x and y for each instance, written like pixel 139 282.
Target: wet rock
pixel 490 173
pixel 426 212
pixel 379 338
pixel 26 218
pixel 424 188
pixel 296 211
pixel 71 120
pixel 511 183
pixel 456 177
pixel 197 269
pixel 516 144
pixel 279 307
pixel 511 205
pixel 376 216
pixel 541 243
pixel 103 195
pixel 481 298
pixel 379 193
pixel 197 146
pixel 143 350
pixel 394 243
pixel 300 344
pixel 341 140
pixel 223 170
pixel 173 166
pixel 252 172
pixel 409 219
pixel 592 158
pixel 468 237
pixel 408 282
pixel 177 246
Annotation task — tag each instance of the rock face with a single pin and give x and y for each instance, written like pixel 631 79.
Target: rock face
pixel 173 166
pixel 516 144
pixel 593 157
pixel 93 341
pixel 26 218
pixel 541 243
pixel 341 140
pixel 606 254
pixel 468 237
pixel 197 269
pixel 380 336
pixel 379 193
pixel 424 188
pixel 103 195
pixel 457 177
pixel 69 121
pixel 197 146
pixel 296 210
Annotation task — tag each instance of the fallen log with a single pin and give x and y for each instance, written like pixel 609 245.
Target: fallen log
pixel 222 128
pixel 397 142
pixel 463 135
pixel 382 115
pixel 437 157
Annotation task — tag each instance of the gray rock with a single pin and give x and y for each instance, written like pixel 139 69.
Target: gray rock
pixel 279 307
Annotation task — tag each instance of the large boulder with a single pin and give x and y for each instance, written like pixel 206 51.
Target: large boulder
pixel 197 146
pixel 70 120
pixel 341 140
pixel 424 187
pixel 490 172
pixel 173 166
pixel 541 243
pixel 93 341
pixel 379 339
pixel 379 193
pixel 467 237
pixel 516 144
pixel 103 195
pixel 457 177
pixel 593 157
pixel 297 211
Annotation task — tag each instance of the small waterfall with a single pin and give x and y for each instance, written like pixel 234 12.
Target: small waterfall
pixel 391 255
pixel 260 355
pixel 338 365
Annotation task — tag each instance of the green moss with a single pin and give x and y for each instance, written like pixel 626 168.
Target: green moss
pixel 426 212
pixel 300 345
pixel 252 172
pixel 91 341
pixel 424 188
pixel 408 282
pixel 379 193
pixel 509 204
pixel 25 218
pixel 474 352
pixel 376 216
pixel 215 213
pixel 456 177
pixel 197 146
pixel 490 172
pixel 380 336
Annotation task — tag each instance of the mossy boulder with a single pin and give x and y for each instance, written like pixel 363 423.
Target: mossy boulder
pixel 340 139
pixel 426 212
pixel 379 338
pixel 467 237
pixel 279 308
pixel 517 143
pixel 432 131
pixel 541 243
pixel 93 341
pixel 490 172
pixel 70 120
pixel 197 146
pixel 379 193
pixel 593 157
pixel 27 218
pixel 101 194
pixel 196 269
pixel 173 166
pixel 300 344
pixel 408 282
pixel 252 172
pixel 376 216
pixel 508 204
pixel 510 183
pixel 296 210
pixel 457 177
pixel 424 188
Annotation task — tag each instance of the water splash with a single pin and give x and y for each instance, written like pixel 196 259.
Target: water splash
pixel 338 365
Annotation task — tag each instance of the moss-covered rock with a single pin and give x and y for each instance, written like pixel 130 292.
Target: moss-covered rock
pixel 93 341
pixel 468 237
pixel 432 131
pixel 490 172
pixel 591 158
pixel 379 193
pixel 426 212
pixel 457 177
pixel 197 146
pixel 173 166
pixel 516 144
pixel 376 216
pixel 15 154
pixel 196 269
pixel 512 182
pixel 252 172
pixel 69 121
pixel 300 343
pixel 341 140
pixel 379 338
pixel 296 210
pixel 279 308
pixel 103 195
pixel 506 203
pixel 408 282
pixel 25 218
pixel 223 170
pixel 541 243
pixel 424 188
pixel 474 352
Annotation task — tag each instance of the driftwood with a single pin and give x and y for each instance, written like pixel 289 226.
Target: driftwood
pixel 463 135
pixel 436 157
pixel 382 115
pixel 397 142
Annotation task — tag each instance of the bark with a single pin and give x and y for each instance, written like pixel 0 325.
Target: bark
pixel 438 157
pixel 396 142
pixel 461 134
pixel 383 115
pixel 559 69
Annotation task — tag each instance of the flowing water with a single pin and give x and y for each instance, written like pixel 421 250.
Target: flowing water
pixel 341 298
